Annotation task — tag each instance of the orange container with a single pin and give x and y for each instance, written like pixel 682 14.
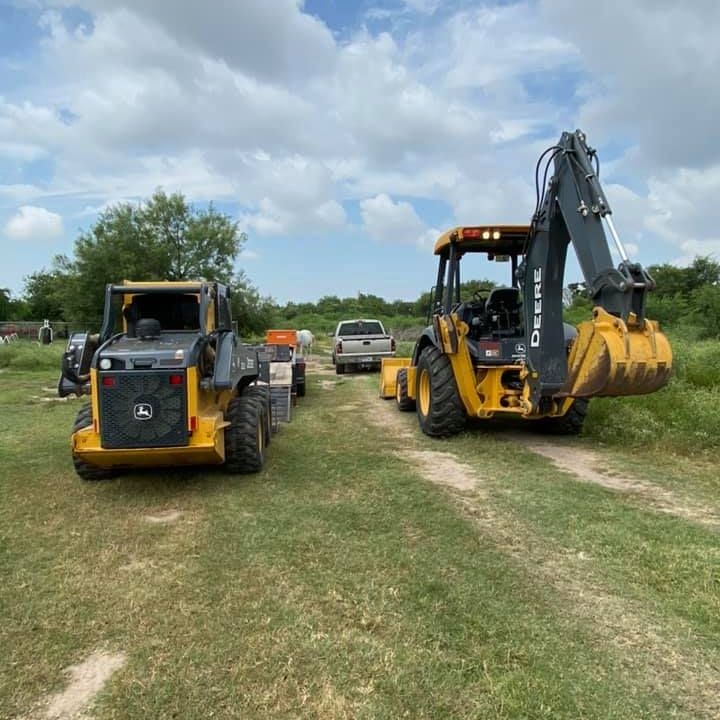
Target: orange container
pixel 281 337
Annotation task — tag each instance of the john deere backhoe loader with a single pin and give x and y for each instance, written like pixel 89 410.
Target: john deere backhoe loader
pixel 508 352
pixel 169 383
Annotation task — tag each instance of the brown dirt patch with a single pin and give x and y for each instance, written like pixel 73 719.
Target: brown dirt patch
pixel 165 516
pixel 354 406
pixel 137 566
pixel 589 466
pixel 86 681
pixel 328 384
pixel 442 468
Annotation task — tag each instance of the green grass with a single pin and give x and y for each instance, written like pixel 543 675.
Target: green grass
pixel 26 355
pixel 337 583
pixel 683 417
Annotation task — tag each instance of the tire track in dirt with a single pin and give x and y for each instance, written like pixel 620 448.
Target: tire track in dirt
pixel 585 465
pixel 671 668
pixel 87 679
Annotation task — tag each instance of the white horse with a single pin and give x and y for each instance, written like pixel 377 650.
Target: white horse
pixel 305 341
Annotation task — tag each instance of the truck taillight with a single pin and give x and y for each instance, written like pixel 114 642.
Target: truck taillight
pixel 338 347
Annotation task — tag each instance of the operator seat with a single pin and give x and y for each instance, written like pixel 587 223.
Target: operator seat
pixel 503 303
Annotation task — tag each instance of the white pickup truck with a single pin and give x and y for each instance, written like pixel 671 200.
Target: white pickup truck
pixel 361 344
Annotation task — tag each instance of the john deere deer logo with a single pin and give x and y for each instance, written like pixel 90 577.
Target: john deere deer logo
pixel 143 411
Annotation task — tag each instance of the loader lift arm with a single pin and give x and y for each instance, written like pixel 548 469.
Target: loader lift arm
pixel 619 352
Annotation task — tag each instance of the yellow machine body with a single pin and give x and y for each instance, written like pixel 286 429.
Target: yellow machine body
pixel 206 443
pixel 608 358
pixel 611 358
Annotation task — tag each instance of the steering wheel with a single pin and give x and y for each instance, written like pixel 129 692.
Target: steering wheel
pixel 479 296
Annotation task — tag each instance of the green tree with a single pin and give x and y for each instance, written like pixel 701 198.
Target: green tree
pixel 12 308
pixel 252 313
pixel 163 239
pixel 5 303
pixel 705 312
pixel 46 291
pixel 672 280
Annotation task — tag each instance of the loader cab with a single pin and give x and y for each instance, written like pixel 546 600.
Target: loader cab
pixel 170 307
pixel 493 315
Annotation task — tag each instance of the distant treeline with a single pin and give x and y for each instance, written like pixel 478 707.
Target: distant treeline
pixel 685 298
pixel 165 238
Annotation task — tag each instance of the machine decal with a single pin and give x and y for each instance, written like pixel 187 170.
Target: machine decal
pixel 537 308
pixel 143 411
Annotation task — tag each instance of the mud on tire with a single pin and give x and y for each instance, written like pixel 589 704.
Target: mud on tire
pixel 86 471
pixel 245 436
pixel 439 408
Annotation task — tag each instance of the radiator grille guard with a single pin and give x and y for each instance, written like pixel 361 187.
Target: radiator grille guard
pixel 142 410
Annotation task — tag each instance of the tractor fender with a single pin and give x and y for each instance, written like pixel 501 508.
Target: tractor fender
pixel 427 339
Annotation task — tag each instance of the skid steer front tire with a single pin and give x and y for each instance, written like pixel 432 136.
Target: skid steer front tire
pixel 404 402
pixel 245 436
pixel 439 408
pixel 86 471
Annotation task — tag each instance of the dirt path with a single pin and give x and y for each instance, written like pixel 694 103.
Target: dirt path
pixel 591 467
pixel 87 679
pixel 664 657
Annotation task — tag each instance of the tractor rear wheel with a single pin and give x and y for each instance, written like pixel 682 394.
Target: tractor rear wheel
pixel 439 408
pixel 86 471
pixel 570 423
pixel 404 402
pixel 245 436
pixel 261 394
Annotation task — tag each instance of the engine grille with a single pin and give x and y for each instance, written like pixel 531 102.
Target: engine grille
pixel 142 410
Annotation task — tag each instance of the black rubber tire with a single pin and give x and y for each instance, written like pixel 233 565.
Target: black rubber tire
pixel 301 389
pixel 571 423
pixel 404 402
pixel 245 436
pixel 445 415
pixel 86 471
pixel 339 369
pixel 261 393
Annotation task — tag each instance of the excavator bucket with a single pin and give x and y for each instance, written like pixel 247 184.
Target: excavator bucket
pixel 388 375
pixel 610 357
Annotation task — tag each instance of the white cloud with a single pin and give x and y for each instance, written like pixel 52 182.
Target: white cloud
pixel 32 223
pixel 654 66
pixel 489 45
pixel 258 103
pixel 389 221
pixel 272 41
pixel 684 211
pixel 426 7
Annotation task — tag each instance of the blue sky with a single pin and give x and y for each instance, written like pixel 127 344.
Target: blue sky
pixel 345 136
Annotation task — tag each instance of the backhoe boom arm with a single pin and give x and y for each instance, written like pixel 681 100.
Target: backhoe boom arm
pixel 572 210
